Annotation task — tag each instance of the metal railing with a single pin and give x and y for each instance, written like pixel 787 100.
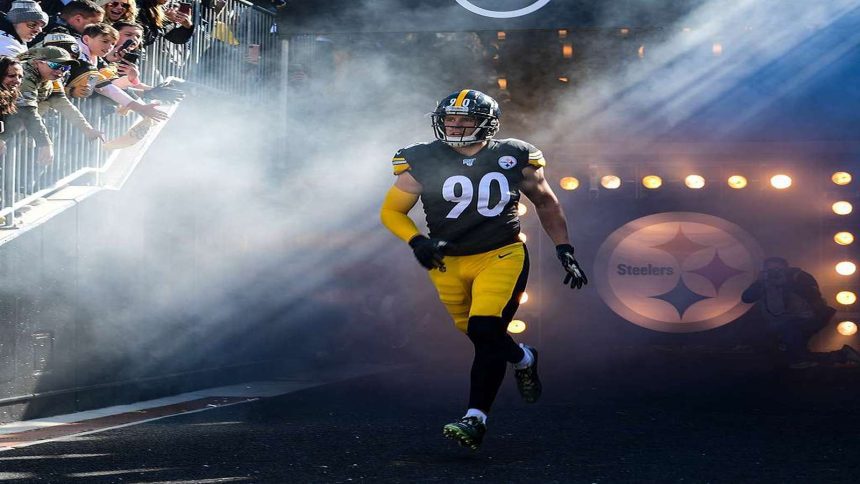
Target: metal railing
pixel 234 49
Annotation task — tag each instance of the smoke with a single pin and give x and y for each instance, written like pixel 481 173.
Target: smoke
pixel 705 74
pixel 748 55
pixel 231 243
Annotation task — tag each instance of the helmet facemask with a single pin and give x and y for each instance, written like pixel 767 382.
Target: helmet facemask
pixel 484 129
pixel 482 108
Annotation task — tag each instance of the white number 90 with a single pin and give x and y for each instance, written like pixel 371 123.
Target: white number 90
pixel 449 189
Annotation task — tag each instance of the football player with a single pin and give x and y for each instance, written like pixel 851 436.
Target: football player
pixel 470 185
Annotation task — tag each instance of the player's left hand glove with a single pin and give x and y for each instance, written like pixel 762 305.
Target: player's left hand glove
pixel 166 93
pixel 575 275
pixel 429 252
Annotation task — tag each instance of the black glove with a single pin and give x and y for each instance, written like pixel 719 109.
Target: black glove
pixel 428 252
pixel 575 275
pixel 165 93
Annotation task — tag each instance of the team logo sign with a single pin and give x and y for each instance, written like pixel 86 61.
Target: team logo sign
pixel 519 12
pixel 507 162
pixel 677 272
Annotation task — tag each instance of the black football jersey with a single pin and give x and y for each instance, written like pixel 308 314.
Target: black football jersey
pixel 471 202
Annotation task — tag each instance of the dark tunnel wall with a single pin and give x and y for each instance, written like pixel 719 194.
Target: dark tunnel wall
pixel 796 223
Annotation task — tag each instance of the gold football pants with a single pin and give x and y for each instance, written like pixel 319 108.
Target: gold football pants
pixel 486 284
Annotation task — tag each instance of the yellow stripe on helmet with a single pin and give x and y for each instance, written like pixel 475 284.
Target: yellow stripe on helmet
pixel 459 102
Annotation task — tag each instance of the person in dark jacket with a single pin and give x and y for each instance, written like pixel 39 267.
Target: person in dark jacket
pixel 160 21
pixel 794 310
pixel 73 19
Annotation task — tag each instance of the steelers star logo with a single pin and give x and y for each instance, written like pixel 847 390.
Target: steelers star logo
pixel 507 162
pixel 677 272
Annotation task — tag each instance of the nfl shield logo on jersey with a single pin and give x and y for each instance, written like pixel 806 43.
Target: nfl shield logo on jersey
pixel 469 161
pixel 507 162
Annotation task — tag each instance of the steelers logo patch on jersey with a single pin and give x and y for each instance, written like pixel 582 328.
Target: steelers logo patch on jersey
pixel 507 162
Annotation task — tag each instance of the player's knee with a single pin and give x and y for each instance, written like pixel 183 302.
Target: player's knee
pixel 486 329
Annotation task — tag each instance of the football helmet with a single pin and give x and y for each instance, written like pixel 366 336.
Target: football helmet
pixel 467 102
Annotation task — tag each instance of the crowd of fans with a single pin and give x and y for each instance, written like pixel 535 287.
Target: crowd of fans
pixel 54 50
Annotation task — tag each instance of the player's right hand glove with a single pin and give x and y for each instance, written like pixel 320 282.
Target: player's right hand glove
pixel 429 252
pixel 575 275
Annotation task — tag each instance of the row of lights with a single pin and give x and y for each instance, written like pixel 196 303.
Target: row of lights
pixel 844 238
pixel 845 267
pixel 695 182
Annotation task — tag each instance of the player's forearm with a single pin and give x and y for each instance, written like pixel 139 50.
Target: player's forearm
pixel 393 213
pixel 552 219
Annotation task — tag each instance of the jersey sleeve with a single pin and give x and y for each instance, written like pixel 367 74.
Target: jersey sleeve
pixel 400 162
pixel 536 158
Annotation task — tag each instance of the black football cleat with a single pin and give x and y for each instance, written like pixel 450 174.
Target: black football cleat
pixel 528 382
pixel 468 432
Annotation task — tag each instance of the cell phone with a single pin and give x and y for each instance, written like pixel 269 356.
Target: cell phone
pixel 91 81
pixel 185 8
pixel 131 57
pixel 125 45
pixel 254 53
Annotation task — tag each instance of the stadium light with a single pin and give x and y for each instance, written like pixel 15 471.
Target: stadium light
pixel 847 328
pixel 780 182
pixel 844 238
pixel 522 209
pixel 846 297
pixel 567 50
pixel 652 181
pixel 524 298
pixel 842 207
pixel 610 181
pixel 523 237
pixel 569 183
pixel 516 326
pixel 846 268
pixel 694 181
pixel 737 181
pixel 841 178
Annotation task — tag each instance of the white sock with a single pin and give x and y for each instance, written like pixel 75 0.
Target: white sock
pixel 527 360
pixel 474 412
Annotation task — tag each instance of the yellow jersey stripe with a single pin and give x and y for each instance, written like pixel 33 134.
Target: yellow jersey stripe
pixel 539 162
pixel 401 168
pixel 459 102
pixel 398 159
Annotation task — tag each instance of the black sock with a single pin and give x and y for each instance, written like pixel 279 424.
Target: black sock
pixel 494 348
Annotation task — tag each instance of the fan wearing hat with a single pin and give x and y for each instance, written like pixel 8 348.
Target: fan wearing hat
pixel 24 21
pixel 78 81
pixel 43 66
